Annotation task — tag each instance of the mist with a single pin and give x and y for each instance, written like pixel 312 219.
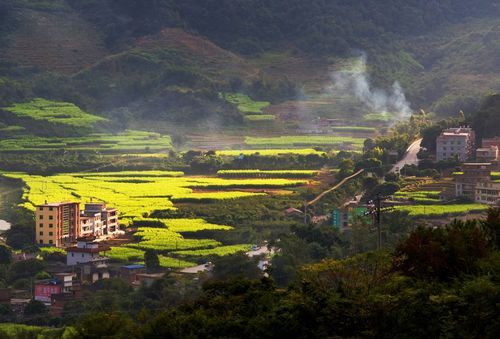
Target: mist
pixel 353 81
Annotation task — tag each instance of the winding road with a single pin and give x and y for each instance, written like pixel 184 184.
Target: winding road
pixel 409 158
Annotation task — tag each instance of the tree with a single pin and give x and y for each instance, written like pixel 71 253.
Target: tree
pixel 236 265
pixel 36 313
pixel 152 261
pixel 5 255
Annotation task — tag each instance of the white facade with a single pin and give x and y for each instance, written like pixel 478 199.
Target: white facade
pixel 488 193
pixel 487 153
pixel 85 252
pixel 98 220
pixel 455 143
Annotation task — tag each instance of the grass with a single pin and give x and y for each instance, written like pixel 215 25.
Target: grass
pixel 305 140
pixel 495 176
pixel 354 129
pixel 27 331
pixel 219 251
pixel 181 225
pixel 127 254
pixel 424 197
pixel 126 142
pixel 270 152
pixel 260 117
pixel 163 239
pixel 62 113
pixel 384 117
pixel 244 103
pixel 441 210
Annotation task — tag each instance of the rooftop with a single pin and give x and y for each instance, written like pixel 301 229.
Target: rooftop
pixel 56 204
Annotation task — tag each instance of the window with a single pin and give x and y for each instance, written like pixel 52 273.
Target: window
pixel 40 224
pixel 41 208
pixel 50 242
pixel 41 233
pixel 51 225
pixel 41 216
pixel 72 254
pixel 444 148
pixel 50 208
pixel 41 241
pixel 82 255
pixel 51 217
pixel 51 233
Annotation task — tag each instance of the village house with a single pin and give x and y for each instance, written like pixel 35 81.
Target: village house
pixel 488 192
pixel 62 283
pixel 455 143
pixel 487 154
pixel 87 260
pixel 471 175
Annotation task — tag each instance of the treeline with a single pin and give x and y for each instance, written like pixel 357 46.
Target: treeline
pixel 436 283
pixel 251 26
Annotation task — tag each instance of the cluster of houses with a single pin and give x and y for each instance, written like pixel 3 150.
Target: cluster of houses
pixel 82 233
pixel 474 181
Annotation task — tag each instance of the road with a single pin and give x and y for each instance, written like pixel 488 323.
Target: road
pixel 410 157
pixel 260 251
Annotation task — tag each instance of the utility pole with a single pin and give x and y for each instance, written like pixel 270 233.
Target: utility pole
pixel 305 212
pixel 377 220
pixel 376 211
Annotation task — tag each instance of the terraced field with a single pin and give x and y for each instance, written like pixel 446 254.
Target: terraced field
pixel 137 194
pixel 60 113
pixel 441 210
pixel 244 103
pixel 126 142
pixel 306 140
pixel 270 152
pixel 266 174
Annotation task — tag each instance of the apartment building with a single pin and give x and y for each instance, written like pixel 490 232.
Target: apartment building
pixel 455 143
pixel 60 224
pixel 57 224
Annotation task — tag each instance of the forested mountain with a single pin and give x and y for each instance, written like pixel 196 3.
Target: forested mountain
pixel 169 59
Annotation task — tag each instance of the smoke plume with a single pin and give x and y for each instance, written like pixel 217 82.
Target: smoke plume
pixel 354 81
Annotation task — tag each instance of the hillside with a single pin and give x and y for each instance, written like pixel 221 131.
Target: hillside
pixel 170 60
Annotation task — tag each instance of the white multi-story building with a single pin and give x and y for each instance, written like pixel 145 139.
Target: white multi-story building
pixel 455 143
pixel 488 192
pixel 99 220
